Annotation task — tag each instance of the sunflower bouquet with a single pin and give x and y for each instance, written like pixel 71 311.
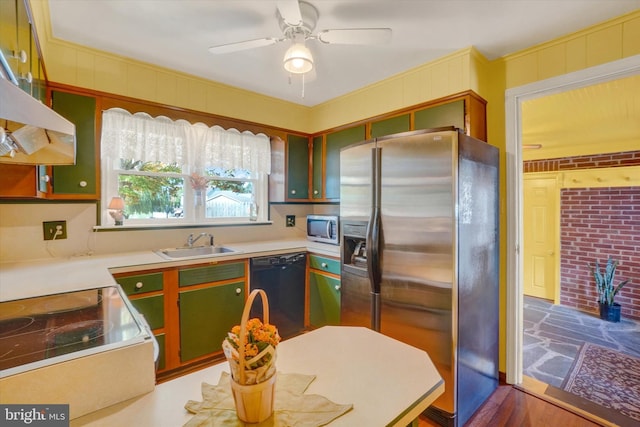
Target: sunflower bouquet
pixel 259 346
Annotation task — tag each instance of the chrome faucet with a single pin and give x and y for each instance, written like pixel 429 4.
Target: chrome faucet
pixel 191 240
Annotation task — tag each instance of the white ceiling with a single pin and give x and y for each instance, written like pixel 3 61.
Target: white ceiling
pixel 176 34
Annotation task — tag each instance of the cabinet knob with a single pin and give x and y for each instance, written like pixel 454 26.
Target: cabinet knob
pixel 45 178
pixel 293 191
pixel 20 56
pixel 83 184
pixel 238 291
pixel 139 285
pixel 324 265
pixel 337 287
pixel 315 192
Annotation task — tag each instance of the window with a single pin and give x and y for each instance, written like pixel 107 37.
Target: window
pixel 175 172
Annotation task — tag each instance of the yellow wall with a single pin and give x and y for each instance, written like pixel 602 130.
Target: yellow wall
pixel 450 74
pixel 459 71
pixel 76 65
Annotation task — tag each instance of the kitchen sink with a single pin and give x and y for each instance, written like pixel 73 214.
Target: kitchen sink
pixel 195 252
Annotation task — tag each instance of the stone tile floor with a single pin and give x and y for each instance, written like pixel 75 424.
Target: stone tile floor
pixel 553 335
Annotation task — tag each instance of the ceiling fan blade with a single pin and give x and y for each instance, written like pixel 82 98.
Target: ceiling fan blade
pixel 356 36
pixel 290 12
pixel 247 44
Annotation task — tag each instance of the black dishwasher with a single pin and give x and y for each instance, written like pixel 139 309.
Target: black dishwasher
pixel 282 277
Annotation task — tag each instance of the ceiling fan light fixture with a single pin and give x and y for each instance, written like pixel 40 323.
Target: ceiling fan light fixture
pixel 298 59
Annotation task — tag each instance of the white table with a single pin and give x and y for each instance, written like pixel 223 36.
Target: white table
pixel 388 382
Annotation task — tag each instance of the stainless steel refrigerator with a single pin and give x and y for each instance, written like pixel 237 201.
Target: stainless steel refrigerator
pixel 419 235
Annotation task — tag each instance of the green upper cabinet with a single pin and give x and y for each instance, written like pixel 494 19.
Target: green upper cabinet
pixel 450 114
pixel 317 183
pixel 79 180
pixel 297 167
pixel 334 143
pixel 391 125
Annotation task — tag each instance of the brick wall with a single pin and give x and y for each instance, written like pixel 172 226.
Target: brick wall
pixel 596 223
pixel 628 158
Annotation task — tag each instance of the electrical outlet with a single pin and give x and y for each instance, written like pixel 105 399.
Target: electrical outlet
pixel 54 228
pixel 291 221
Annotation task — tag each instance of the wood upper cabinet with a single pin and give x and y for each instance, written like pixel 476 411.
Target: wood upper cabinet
pixel 466 112
pixel 16 37
pixel 391 125
pixel 72 182
pixel 79 181
pixel 297 173
pixel 335 141
pixel 317 180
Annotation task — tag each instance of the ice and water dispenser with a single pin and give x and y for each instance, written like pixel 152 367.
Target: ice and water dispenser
pixel 354 247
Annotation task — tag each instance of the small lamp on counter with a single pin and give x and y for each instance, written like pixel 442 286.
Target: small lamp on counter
pixel 116 209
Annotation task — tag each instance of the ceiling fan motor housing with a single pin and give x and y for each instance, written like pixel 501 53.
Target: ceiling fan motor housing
pixel 309 20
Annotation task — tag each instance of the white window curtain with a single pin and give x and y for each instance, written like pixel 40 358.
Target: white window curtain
pixel 193 146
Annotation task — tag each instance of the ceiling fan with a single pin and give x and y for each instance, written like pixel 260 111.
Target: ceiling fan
pixel 297 20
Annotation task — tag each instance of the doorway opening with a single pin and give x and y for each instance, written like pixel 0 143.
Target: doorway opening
pixel 517 303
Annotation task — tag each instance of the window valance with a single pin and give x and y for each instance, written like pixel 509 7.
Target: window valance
pixel 159 139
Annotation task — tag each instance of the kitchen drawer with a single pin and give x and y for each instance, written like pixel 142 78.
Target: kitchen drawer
pixel 152 308
pixel 141 283
pixel 215 273
pixel 325 264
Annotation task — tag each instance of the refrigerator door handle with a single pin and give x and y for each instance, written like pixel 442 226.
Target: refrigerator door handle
pixel 373 239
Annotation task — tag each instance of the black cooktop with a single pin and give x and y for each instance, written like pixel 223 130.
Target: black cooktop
pixel 44 327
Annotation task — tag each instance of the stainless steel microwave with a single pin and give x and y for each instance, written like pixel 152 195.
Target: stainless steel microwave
pixel 323 228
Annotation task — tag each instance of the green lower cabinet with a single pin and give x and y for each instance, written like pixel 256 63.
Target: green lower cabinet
pixel 206 315
pixel 324 300
pixel 161 358
pixel 152 308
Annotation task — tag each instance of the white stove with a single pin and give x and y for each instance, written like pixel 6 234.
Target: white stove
pixel 87 348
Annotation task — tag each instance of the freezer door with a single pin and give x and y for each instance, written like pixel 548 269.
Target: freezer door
pixel 355 182
pixel 417 251
pixel 355 211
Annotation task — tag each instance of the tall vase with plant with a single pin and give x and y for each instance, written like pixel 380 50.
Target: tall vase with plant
pixel 607 290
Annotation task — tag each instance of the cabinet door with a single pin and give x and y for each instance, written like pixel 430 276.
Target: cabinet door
pixel 317 182
pixel 152 308
pixel 391 125
pixel 206 315
pixel 324 300
pixel 297 167
pixel 79 179
pixel 336 141
pixel 451 114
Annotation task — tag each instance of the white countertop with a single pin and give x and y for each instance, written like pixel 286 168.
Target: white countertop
pixel 388 382
pixel 33 278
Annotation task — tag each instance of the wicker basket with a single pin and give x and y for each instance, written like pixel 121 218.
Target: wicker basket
pixel 254 402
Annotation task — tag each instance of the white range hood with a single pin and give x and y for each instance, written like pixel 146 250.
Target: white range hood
pixel 32 133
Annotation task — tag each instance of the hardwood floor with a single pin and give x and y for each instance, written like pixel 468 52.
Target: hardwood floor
pixel 512 407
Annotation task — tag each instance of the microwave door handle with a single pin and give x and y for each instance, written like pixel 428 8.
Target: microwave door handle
pixel 328 229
